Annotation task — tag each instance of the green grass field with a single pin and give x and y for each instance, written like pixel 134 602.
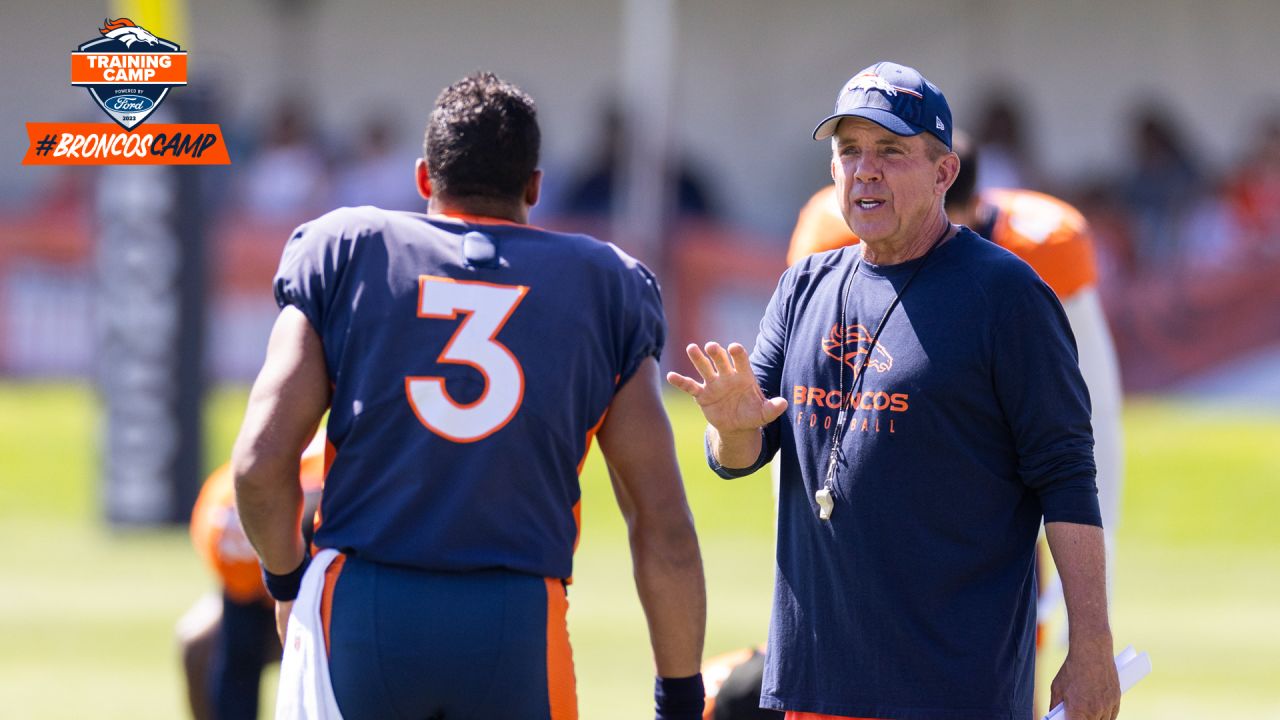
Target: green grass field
pixel 87 613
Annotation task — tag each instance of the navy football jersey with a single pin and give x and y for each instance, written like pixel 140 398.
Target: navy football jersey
pixel 471 362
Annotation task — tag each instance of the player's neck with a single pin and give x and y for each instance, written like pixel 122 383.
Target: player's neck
pixel 890 252
pixel 483 207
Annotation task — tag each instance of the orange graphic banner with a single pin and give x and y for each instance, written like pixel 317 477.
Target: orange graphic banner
pixel 110 144
pixel 137 68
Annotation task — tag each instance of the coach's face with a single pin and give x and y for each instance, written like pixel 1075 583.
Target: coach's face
pixel 889 187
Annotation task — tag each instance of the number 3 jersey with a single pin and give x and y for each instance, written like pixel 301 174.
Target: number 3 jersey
pixel 472 361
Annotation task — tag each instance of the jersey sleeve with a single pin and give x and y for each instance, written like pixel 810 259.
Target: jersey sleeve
pixel 1037 379
pixel 644 324
pixel 311 265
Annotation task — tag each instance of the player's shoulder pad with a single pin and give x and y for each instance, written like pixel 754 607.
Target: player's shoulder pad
pixel 1035 217
pixel 346 222
pixel 636 273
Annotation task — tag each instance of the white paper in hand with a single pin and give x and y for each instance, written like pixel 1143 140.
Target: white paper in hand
pixel 1131 665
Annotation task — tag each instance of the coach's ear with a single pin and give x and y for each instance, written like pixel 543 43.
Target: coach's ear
pixel 533 189
pixel 422 179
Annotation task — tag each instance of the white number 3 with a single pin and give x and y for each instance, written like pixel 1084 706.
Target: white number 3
pixel 486 308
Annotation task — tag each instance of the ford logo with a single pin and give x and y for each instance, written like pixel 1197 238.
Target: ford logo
pixel 128 103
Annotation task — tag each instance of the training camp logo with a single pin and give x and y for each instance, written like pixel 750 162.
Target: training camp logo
pixel 850 344
pixel 128 71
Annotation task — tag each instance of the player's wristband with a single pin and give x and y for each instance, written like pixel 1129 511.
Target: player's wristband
pixel 284 588
pixel 679 698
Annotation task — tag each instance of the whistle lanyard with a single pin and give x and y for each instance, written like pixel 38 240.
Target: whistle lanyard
pixel 826 496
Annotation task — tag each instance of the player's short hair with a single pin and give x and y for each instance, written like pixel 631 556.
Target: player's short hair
pixel 482 139
pixel 962 190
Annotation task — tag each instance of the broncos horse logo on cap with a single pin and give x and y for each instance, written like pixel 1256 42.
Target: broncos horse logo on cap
pixel 850 343
pixel 872 81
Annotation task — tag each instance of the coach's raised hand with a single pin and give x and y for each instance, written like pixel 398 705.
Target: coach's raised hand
pixel 731 401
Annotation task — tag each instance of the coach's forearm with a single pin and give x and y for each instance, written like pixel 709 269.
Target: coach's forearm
pixel 269 501
pixel 734 450
pixel 672 589
pixel 1080 556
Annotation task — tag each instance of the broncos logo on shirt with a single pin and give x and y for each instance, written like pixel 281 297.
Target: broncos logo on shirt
pixel 850 343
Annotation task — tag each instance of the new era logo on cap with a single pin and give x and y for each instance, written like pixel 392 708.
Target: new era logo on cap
pixel 897 98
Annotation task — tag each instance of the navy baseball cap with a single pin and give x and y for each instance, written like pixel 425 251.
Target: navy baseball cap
pixel 895 97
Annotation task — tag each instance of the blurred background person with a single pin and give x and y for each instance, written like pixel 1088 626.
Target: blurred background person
pixel 593 190
pixel 733 686
pixel 375 173
pixel 1254 191
pixel 228 638
pixel 1007 161
pixel 1163 183
pixel 286 179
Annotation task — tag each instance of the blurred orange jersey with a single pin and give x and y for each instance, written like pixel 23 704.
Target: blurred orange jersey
pixel 219 538
pixel 1048 234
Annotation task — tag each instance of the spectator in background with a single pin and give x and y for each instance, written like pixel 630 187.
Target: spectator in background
pixel 593 191
pixel 1254 191
pixel 1162 186
pixel 1215 230
pixel 376 174
pixel 1006 157
pixel 286 179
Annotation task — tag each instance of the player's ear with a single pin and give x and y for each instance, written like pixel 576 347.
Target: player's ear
pixel 533 189
pixel 833 167
pixel 422 179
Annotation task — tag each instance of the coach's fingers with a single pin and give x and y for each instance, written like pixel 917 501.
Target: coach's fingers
pixel 738 353
pixel 773 408
pixel 700 361
pixel 686 384
pixel 717 354
pixel 1055 692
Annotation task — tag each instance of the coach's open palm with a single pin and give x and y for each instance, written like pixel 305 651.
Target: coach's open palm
pixel 729 395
